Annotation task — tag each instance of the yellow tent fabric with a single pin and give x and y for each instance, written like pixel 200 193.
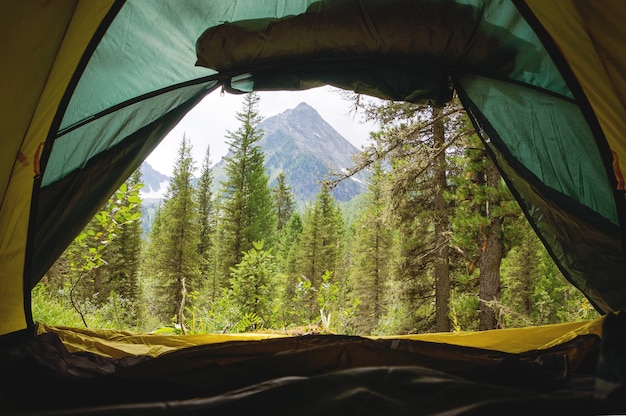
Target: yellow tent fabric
pixel 119 344
pixel 46 43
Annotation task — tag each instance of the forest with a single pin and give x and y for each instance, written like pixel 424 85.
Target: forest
pixel 437 243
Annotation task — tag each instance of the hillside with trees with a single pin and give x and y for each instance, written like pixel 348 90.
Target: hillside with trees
pixel 436 243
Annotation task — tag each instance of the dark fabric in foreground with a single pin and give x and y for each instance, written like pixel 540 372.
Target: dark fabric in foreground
pixel 311 374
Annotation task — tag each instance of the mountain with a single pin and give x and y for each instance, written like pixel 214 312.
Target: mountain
pixel 152 194
pixel 298 142
pixel 302 144
pixel 154 183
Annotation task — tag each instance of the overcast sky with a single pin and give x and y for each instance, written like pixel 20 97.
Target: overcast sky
pixel 209 121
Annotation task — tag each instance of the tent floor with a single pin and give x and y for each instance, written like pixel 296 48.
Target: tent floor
pixel 312 374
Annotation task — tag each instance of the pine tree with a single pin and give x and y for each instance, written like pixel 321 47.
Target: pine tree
pixel 415 140
pixel 287 259
pixel 246 206
pixel 120 274
pixel 206 224
pixel 419 142
pixel 254 285
pixel 483 204
pixel 176 241
pixel 441 261
pixel 283 200
pixel 371 256
pixel 321 244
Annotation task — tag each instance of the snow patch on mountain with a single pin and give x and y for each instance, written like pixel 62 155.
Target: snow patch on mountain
pixel 158 193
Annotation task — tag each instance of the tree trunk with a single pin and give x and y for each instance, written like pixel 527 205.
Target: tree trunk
pixel 441 264
pixel 181 308
pixel 492 249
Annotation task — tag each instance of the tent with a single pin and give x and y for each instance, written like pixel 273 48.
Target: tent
pixel 90 87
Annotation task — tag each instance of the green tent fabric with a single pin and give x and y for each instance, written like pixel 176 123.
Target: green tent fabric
pixel 90 87
pixel 419 51
pixel 104 104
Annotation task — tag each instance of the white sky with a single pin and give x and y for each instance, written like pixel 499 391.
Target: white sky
pixel 209 121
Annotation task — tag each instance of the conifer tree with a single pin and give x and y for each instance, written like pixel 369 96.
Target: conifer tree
pixel 415 140
pixel 78 272
pixel 519 278
pixel 321 243
pixel 150 274
pixel 120 274
pixel 371 254
pixel 283 200
pixel 534 291
pixel 484 205
pixel 287 244
pixel 406 141
pixel 254 286
pixel 206 224
pixel 176 240
pixel 287 259
pixel 246 206
pixel 441 261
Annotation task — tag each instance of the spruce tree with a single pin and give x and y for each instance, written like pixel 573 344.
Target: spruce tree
pixel 254 286
pixel 519 278
pixel 176 240
pixel 206 224
pixel 321 244
pixel 371 255
pixel 120 274
pixel 283 200
pixel 287 244
pixel 534 291
pixel 287 259
pixel 246 205
pixel 151 276
pixel 78 272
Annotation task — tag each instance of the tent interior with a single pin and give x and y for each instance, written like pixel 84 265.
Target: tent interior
pixel 90 88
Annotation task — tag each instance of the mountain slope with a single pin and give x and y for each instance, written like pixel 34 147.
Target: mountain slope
pixel 302 144
pixel 154 183
pixel 298 142
pixel 152 193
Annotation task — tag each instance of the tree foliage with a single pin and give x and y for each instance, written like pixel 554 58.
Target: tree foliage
pixel 253 284
pixel 174 242
pixel 321 243
pixel 119 276
pixel 371 254
pixel 76 274
pixel 206 224
pixel 283 201
pixel 246 205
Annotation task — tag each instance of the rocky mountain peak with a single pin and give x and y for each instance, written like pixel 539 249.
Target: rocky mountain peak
pixel 302 144
pixel 298 142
